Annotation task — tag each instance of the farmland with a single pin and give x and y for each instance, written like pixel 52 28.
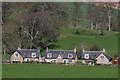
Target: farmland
pixel 57 71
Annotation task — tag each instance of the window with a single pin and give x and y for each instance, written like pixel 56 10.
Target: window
pixel 33 54
pixel 16 55
pixel 95 55
pixel 70 56
pixel 86 56
pixel 16 60
pixel 102 57
pixel 49 55
pixel 70 61
pixel 102 62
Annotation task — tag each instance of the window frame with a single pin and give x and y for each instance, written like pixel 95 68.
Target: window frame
pixel 71 56
pixel 70 61
pixel 86 55
pixel 50 55
pixel 33 53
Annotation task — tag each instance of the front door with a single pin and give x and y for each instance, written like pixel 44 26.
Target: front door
pixel 27 60
pixel 64 61
pixel 54 61
pixel 91 63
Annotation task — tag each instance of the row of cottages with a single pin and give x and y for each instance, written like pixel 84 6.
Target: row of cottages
pixel 55 56
pixel 61 56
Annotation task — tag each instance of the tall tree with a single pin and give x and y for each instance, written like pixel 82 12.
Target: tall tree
pixel 109 11
pixel 28 25
pixel 40 24
pixel 76 13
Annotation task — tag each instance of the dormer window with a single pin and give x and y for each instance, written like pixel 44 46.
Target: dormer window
pixel 60 56
pixel 95 55
pixel 86 56
pixel 49 55
pixel 70 56
pixel 33 54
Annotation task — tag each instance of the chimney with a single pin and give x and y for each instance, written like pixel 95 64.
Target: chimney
pixel 38 49
pixel 103 49
pixel 75 50
pixel 47 49
pixel 19 46
pixel 83 50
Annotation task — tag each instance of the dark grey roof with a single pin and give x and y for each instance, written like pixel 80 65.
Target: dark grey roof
pixel 27 53
pixel 95 54
pixel 63 53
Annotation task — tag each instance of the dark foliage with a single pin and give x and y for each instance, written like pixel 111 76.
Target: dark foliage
pixel 95 48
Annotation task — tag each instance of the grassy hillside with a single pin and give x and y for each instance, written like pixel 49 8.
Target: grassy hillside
pixel 57 71
pixel 86 37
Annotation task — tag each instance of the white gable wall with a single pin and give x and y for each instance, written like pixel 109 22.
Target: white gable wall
pixel 14 58
pixel 102 61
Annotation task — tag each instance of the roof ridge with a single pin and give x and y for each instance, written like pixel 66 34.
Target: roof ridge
pixel 60 50
pixel 94 51
pixel 27 49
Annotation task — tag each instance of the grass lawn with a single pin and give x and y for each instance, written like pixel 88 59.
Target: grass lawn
pixel 57 71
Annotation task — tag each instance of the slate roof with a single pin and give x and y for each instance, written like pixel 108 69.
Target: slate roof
pixel 95 54
pixel 63 53
pixel 27 53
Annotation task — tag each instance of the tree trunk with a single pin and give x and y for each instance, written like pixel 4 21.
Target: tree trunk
pixel 31 42
pixel 96 26
pixel 31 45
pixel 91 25
pixel 109 20
pixel 4 52
pixel 109 23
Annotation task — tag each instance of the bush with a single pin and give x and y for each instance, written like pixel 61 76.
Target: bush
pixel 79 61
pixel 116 34
pixel 77 32
pixel 101 32
pixel 95 48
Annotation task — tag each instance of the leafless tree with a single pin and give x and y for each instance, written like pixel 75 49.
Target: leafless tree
pixel 76 13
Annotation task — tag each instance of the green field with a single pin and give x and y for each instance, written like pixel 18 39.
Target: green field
pixel 57 71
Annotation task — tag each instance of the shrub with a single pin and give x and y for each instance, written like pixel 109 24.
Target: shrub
pixel 101 32
pixel 79 62
pixel 95 48
pixel 76 32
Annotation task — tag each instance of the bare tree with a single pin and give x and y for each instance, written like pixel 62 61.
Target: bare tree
pixel 76 13
pixel 40 24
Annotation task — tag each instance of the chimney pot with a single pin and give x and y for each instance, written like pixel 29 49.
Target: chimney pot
pixel 83 50
pixel 103 49
pixel 75 50
pixel 47 49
